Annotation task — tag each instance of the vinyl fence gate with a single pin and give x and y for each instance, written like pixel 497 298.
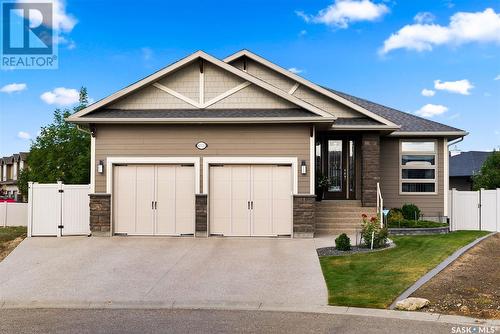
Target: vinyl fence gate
pixel 57 209
pixel 475 210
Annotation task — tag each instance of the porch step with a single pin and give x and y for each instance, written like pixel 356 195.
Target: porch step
pixel 337 203
pixel 339 220
pixel 345 213
pixel 334 217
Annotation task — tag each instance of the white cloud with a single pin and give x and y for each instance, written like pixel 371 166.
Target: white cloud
pixel 61 96
pixel 431 110
pixel 13 87
pixel 343 12
pixel 424 17
pixel 295 70
pixel 302 33
pixel 428 92
pixel 23 135
pixel 497 77
pixel 459 87
pixel 464 27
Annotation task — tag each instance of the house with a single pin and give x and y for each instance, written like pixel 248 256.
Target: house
pixel 10 168
pixel 231 147
pixel 464 166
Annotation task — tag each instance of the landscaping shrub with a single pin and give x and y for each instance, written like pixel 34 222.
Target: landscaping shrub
pixel 343 243
pixel 394 216
pixel 411 212
pixel 405 223
pixel 380 233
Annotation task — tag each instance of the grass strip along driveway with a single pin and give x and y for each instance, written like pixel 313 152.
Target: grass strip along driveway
pixel 376 279
pixel 10 237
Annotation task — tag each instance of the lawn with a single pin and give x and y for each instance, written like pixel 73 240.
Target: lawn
pixel 376 279
pixel 10 238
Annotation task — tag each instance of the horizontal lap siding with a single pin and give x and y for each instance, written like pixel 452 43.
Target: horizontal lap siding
pixel 223 140
pixel 431 205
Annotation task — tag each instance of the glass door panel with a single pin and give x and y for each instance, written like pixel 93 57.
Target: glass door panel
pixel 335 165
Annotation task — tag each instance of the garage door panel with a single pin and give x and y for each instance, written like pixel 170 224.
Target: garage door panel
pixel 240 192
pixel 282 200
pixel 220 197
pixel 262 200
pixel 145 190
pixel 124 190
pixel 184 199
pixel 250 200
pixel 165 198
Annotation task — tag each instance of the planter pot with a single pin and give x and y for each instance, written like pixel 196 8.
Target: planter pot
pixel 319 194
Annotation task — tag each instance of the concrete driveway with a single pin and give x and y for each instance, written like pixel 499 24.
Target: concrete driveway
pixel 83 271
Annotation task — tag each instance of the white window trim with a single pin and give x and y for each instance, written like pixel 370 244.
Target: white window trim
pixel 110 161
pixel 435 167
pixel 207 161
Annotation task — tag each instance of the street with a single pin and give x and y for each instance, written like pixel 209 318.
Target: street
pixel 202 321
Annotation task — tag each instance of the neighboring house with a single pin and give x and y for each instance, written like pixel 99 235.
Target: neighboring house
pixel 10 168
pixel 464 166
pixel 231 147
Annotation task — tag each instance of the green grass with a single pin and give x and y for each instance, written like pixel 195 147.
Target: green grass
pixel 415 224
pixel 376 279
pixel 11 233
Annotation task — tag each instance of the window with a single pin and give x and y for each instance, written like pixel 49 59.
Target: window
pixel 418 166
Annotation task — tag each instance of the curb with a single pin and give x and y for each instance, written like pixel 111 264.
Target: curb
pixel 256 306
pixel 427 277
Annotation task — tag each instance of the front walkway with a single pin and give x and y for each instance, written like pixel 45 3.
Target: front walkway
pixel 162 271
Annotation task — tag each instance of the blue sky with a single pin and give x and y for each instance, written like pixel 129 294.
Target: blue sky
pixel 345 45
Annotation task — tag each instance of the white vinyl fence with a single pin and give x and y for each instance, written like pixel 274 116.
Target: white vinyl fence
pixel 474 210
pixel 58 209
pixel 13 214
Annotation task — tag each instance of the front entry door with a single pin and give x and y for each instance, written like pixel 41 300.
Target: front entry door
pixel 340 167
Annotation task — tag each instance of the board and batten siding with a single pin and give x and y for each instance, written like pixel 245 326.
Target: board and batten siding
pixel 122 140
pixel 431 205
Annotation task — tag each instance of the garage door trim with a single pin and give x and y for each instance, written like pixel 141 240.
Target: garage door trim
pixel 110 161
pixel 293 161
pixel 208 161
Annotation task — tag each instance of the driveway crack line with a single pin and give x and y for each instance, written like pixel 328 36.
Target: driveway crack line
pixel 170 269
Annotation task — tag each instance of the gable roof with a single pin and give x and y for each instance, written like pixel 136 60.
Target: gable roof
pixel 409 123
pixel 467 163
pixel 309 84
pixel 77 117
pixel 403 123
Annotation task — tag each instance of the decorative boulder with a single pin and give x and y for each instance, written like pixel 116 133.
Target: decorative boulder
pixel 412 304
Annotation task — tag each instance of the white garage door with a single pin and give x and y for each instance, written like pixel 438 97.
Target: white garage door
pixel 251 200
pixel 153 199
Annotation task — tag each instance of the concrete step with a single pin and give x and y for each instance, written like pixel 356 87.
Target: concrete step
pixel 338 227
pixel 329 203
pixel 333 220
pixel 345 209
pixel 337 231
pixel 347 214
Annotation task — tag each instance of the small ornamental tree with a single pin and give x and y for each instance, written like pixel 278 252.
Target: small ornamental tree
pixel 489 175
pixel 60 152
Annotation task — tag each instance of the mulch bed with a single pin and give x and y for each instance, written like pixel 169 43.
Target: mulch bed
pixel 332 251
pixel 470 286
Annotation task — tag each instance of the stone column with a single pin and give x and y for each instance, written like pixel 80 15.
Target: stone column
pixel 100 214
pixel 370 168
pixel 304 215
pixel 201 215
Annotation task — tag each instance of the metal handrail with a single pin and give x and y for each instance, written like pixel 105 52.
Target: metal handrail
pixel 380 205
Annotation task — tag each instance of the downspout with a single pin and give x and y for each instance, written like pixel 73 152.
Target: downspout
pixel 91 131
